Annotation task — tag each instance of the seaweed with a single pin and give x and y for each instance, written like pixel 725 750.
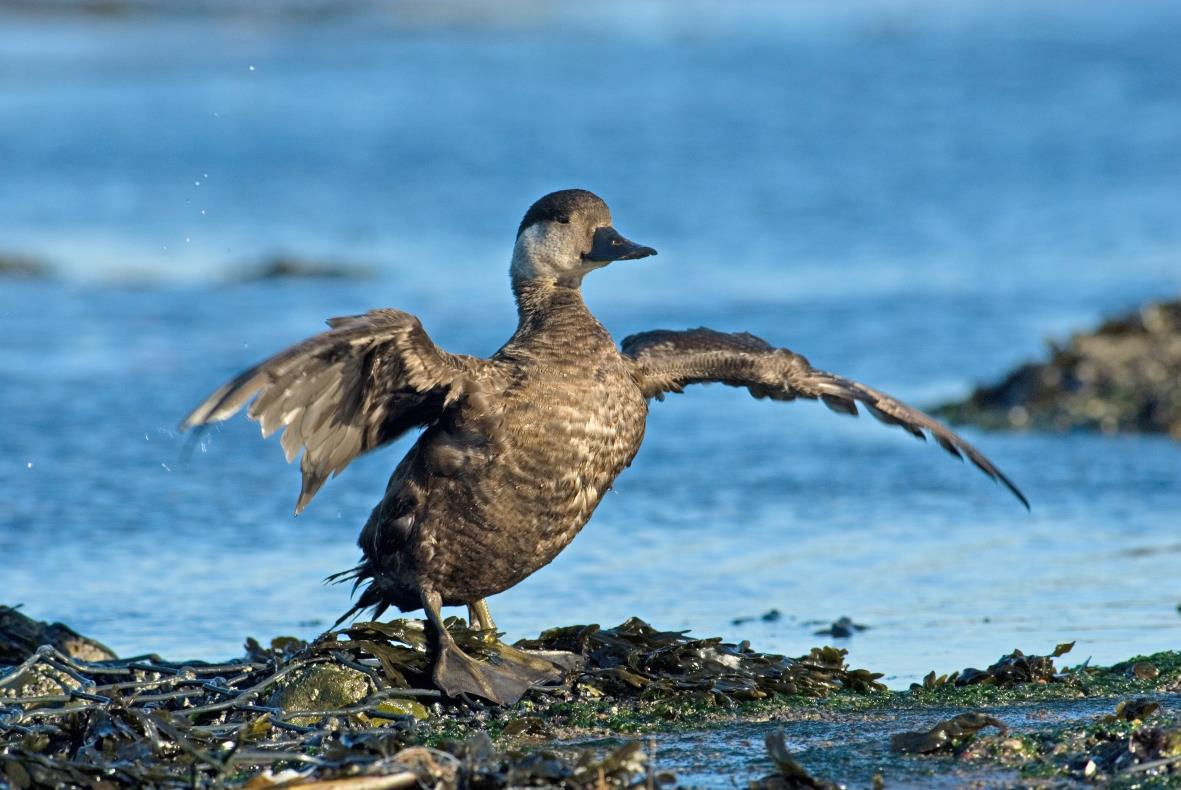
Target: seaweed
pixel 947 735
pixel 356 708
pixel 144 721
pixel 1009 670
pixel 635 659
pixel 359 702
pixel 789 774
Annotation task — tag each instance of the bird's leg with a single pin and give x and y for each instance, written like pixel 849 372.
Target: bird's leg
pixel 458 673
pixel 478 614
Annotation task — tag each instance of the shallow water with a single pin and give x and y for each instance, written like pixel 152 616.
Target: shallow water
pixel 852 748
pixel 915 196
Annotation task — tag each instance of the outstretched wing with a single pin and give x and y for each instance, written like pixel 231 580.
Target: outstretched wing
pixel 667 361
pixel 361 384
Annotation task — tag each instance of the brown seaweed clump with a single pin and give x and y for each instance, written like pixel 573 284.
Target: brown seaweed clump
pixel 293 714
pixel 947 735
pixel 1123 377
pixel 1010 670
pixel 636 659
pixel 352 704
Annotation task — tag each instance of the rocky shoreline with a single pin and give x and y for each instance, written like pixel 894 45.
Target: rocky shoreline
pixel 355 709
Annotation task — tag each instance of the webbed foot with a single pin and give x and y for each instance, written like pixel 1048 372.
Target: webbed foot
pixel 503 683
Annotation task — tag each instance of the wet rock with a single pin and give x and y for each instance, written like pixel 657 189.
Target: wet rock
pixel 1143 670
pixel 842 629
pixel 319 687
pixel 20 636
pixel 284 267
pixel 945 736
pixel 1133 710
pixel 20 267
pixel 400 707
pixel 1124 376
pixel 769 616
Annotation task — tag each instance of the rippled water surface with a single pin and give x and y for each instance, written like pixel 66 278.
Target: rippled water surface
pixel 916 196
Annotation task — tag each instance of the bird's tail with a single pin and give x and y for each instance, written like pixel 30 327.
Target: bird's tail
pixel 371 597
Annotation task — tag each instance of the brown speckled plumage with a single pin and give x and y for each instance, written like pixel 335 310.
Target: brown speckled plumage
pixel 518 449
pixel 493 491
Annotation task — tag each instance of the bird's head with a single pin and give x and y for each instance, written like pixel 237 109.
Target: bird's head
pixel 567 234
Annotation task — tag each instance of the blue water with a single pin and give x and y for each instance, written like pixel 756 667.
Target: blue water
pixel 917 195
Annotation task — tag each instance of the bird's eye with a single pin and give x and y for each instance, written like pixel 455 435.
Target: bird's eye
pixel 562 218
pixel 615 242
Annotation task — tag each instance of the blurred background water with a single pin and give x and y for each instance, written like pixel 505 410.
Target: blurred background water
pixel 914 194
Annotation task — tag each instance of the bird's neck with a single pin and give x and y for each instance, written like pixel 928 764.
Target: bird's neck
pixel 545 304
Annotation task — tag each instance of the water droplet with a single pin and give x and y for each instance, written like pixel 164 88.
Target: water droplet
pixel 187 240
pixel 196 183
pixel 166 469
pixel 29 465
pixel 252 68
pixel 202 211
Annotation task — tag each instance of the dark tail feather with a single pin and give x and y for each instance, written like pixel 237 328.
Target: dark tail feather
pixel 368 599
pixel 371 597
pixel 344 576
pixel 350 613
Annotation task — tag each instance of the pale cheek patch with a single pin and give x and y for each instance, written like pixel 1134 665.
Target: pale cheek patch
pixel 539 254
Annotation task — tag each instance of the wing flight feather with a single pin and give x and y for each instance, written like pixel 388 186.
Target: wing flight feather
pixel 667 361
pixel 343 392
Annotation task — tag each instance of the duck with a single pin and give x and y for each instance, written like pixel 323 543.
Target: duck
pixel 516 450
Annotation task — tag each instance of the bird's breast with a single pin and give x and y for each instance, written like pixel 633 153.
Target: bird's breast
pixel 503 488
pixel 564 432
